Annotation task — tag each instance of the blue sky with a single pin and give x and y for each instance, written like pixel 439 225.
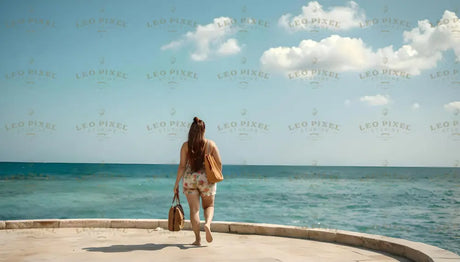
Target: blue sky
pixel 120 81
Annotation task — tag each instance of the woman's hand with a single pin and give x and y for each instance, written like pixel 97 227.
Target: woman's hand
pixel 181 168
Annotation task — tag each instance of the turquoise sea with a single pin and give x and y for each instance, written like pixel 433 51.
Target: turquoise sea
pixel 415 203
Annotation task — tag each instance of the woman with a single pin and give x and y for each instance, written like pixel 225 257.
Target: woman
pixel 195 184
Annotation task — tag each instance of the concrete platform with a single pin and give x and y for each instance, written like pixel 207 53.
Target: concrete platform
pixel 147 240
pixel 132 244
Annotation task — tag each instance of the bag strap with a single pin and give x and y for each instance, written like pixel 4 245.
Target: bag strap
pixel 207 147
pixel 176 198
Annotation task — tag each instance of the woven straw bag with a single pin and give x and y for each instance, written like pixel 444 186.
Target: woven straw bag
pixel 213 171
pixel 176 215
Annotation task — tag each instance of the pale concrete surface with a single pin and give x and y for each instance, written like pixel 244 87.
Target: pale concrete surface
pixel 135 244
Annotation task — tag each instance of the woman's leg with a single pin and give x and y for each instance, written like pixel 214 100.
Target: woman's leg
pixel 194 204
pixel 208 207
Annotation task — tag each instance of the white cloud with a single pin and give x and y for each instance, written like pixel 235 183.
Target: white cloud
pixel 313 15
pixel 428 40
pixel 415 106
pixel 452 106
pixel 209 40
pixel 422 50
pixel 335 53
pixel 173 45
pixel 377 100
pixel 229 48
pixel 347 102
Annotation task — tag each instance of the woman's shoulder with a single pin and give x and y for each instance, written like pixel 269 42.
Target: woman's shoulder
pixel 211 143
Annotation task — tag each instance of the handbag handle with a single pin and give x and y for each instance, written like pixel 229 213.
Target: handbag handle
pixel 176 198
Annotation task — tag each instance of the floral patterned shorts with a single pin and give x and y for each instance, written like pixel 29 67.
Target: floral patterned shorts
pixel 196 182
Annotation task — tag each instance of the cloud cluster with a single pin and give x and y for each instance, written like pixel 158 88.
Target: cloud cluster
pixel 423 48
pixel 335 53
pixel 452 106
pixel 209 40
pixel 377 100
pixel 313 15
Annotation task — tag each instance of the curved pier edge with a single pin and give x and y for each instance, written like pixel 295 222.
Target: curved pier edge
pixel 415 251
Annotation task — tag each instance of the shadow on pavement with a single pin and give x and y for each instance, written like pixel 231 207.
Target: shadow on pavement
pixel 127 248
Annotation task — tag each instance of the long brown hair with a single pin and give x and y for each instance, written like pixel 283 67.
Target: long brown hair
pixel 196 144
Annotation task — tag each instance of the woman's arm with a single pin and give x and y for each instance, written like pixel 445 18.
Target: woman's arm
pixel 181 168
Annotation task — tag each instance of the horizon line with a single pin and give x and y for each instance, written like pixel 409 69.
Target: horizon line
pixel 291 165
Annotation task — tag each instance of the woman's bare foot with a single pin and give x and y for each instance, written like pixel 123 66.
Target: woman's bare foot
pixel 197 243
pixel 207 228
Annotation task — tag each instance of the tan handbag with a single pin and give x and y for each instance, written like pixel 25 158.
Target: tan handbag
pixel 213 172
pixel 176 215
